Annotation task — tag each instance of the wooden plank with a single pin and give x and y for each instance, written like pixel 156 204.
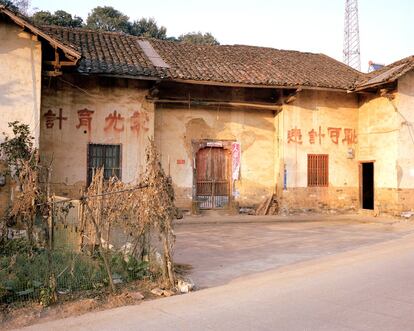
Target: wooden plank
pixel 266 211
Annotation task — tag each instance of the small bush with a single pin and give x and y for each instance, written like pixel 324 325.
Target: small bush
pixel 24 273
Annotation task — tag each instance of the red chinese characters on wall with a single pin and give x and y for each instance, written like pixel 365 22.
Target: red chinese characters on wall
pixel 139 121
pixel 295 136
pixel 317 136
pixel 51 117
pixel 350 136
pixel 334 134
pixel 114 121
pixel 85 118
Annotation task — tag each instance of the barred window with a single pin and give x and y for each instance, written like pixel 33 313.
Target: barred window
pixel 318 170
pixel 107 156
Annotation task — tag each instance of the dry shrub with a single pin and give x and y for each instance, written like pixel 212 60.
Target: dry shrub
pixel 144 209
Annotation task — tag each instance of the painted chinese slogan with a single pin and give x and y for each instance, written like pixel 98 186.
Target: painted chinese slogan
pixel 115 121
pixel 318 136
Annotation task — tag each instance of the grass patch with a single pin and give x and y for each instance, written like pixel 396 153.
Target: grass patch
pixel 24 272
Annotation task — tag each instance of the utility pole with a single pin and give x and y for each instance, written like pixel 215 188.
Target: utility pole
pixel 352 52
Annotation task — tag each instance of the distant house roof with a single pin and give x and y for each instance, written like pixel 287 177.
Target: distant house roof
pixel 386 74
pixel 121 54
pixel 372 66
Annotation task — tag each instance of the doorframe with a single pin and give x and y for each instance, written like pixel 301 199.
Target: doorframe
pixel 198 144
pixel 361 202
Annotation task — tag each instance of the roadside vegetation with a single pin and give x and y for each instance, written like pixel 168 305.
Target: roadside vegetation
pixel 120 233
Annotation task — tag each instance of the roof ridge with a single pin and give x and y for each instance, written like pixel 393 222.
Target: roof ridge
pixel 84 29
pixel 343 64
pixel 120 33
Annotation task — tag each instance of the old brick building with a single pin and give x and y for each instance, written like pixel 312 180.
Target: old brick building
pixel 233 124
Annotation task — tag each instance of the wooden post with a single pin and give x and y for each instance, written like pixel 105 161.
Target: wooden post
pixel 81 217
pixel 52 277
pixel 169 273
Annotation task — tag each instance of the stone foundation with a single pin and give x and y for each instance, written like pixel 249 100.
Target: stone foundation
pixel 317 199
pixel 406 199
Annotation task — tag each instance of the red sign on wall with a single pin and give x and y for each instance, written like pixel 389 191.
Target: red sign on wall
pixel 180 161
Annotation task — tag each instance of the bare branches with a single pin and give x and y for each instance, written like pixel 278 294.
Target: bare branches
pixel 140 212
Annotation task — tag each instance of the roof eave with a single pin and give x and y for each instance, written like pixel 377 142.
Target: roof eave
pixel 271 86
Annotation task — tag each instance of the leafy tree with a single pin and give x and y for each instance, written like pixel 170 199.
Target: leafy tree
pixel 16 5
pixel 147 27
pixel 8 4
pixel 60 18
pixel 18 148
pixel 108 19
pixel 198 38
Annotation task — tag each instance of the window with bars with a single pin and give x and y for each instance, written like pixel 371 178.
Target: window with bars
pixel 318 170
pixel 107 156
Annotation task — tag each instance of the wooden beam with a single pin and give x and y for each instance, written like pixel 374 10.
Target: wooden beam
pixel 52 73
pixel 221 103
pixel 292 97
pixel 61 64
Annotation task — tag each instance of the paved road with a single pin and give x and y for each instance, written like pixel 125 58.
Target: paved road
pixel 223 248
pixel 369 288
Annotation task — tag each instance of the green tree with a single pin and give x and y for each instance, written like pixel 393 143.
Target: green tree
pixel 16 5
pixel 19 148
pixel 198 38
pixel 148 27
pixel 8 4
pixel 60 18
pixel 108 19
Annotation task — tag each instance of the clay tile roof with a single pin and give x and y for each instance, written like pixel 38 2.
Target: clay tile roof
pixel 105 52
pixel 254 66
pixel 386 74
pixel 121 54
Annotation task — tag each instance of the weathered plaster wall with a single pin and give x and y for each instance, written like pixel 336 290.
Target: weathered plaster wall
pixel 317 110
pixel 405 157
pixel 379 126
pixel 20 68
pixel 176 128
pixel 66 141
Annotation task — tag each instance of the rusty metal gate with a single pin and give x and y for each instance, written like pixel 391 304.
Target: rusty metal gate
pixel 213 184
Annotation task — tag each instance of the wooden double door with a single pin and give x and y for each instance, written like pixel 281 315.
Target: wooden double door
pixel 213 187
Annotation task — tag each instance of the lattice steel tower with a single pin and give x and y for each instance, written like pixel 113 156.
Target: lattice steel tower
pixel 352 53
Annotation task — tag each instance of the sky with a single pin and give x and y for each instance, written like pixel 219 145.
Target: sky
pixel 386 27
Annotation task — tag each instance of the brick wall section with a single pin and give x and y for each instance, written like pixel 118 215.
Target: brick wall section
pixel 320 199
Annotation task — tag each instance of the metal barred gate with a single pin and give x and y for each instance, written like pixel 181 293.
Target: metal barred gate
pixel 213 173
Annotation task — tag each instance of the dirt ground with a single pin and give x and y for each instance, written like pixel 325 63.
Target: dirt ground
pixel 16 316
pixel 223 248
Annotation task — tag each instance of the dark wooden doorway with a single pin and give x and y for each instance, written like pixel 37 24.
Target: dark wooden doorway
pixel 367 185
pixel 213 178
